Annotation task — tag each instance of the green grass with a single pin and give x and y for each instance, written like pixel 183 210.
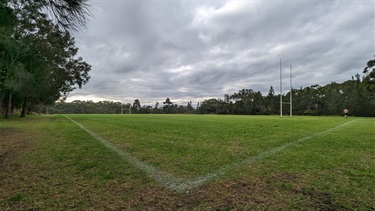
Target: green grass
pixel 192 145
pixel 51 163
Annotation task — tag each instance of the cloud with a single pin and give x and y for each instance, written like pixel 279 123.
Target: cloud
pixel 192 50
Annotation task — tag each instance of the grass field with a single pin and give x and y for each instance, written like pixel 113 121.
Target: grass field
pixel 202 162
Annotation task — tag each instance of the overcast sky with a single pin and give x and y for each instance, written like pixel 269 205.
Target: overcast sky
pixel 195 50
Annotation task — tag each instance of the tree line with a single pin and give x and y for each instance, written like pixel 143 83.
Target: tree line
pixel 315 100
pixel 356 94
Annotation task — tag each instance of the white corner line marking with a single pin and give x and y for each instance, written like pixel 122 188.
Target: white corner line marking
pixel 180 184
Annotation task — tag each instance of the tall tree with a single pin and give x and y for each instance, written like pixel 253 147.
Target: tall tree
pixel 52 57
pixel 271 102
pixel 168 106
pixel 189 107
pixel 136 106
pixel 39 61
pixel 368 82
pixel 333 99
pixel 10 50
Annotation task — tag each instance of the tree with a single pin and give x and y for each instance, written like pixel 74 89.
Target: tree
pixel 309 100
pixel 271 102
pixel 368 82
pixel 210 106
pixel 247 101
pixel 9 54
pixel 333 99
pixel 189 107
pixel 68 14
pixel 168 105
pixel 52 57
pixel 167 101
pixel 370 70
pixel 39 59
pixel 136 106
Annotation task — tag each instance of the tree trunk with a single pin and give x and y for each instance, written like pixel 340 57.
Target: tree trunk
pixel 2 95
pixel 24 108
pixel 9 108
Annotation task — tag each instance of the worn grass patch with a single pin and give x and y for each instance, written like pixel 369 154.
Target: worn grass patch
pixel 62 168
pixel 48 162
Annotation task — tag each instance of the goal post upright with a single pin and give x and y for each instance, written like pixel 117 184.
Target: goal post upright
pixel 126 108
pixel 291 92
pixel 281 93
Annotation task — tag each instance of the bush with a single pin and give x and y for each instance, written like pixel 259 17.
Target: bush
pixel 309 113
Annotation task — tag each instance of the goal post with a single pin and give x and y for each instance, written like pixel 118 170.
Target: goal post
pixel 128 109
pixel 281 93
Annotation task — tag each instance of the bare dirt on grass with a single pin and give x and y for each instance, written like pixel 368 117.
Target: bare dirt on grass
pixel 12 143
pixel 281 191
pixel 277 192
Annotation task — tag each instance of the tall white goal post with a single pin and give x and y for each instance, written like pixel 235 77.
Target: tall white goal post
pixel 281 93
pixel 291 93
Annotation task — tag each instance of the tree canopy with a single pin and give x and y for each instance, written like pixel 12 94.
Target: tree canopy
pixel 368 84
pixel 38 57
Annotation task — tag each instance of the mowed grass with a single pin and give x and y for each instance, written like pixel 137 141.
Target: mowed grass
pixel 51 163
pixel 194 145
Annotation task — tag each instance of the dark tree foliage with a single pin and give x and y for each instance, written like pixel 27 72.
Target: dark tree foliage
pixel 368 83
pixel 39 62
pixel 168 106
pixel 68 14
pixel 136 106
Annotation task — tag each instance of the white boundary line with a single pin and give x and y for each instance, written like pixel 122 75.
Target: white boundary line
pixel 160 176
pixel 180 184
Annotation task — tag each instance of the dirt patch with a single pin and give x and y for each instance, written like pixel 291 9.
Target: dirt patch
pixel 273 192
pixel 235 148
pixel 12 143
pixel 239 194
pixel 321 200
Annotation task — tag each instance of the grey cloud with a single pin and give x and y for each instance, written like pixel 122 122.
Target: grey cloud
pixel 189 51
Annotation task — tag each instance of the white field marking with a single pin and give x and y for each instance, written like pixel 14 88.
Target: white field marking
pixel 201 180
pixel 164 178
pixel 181 184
